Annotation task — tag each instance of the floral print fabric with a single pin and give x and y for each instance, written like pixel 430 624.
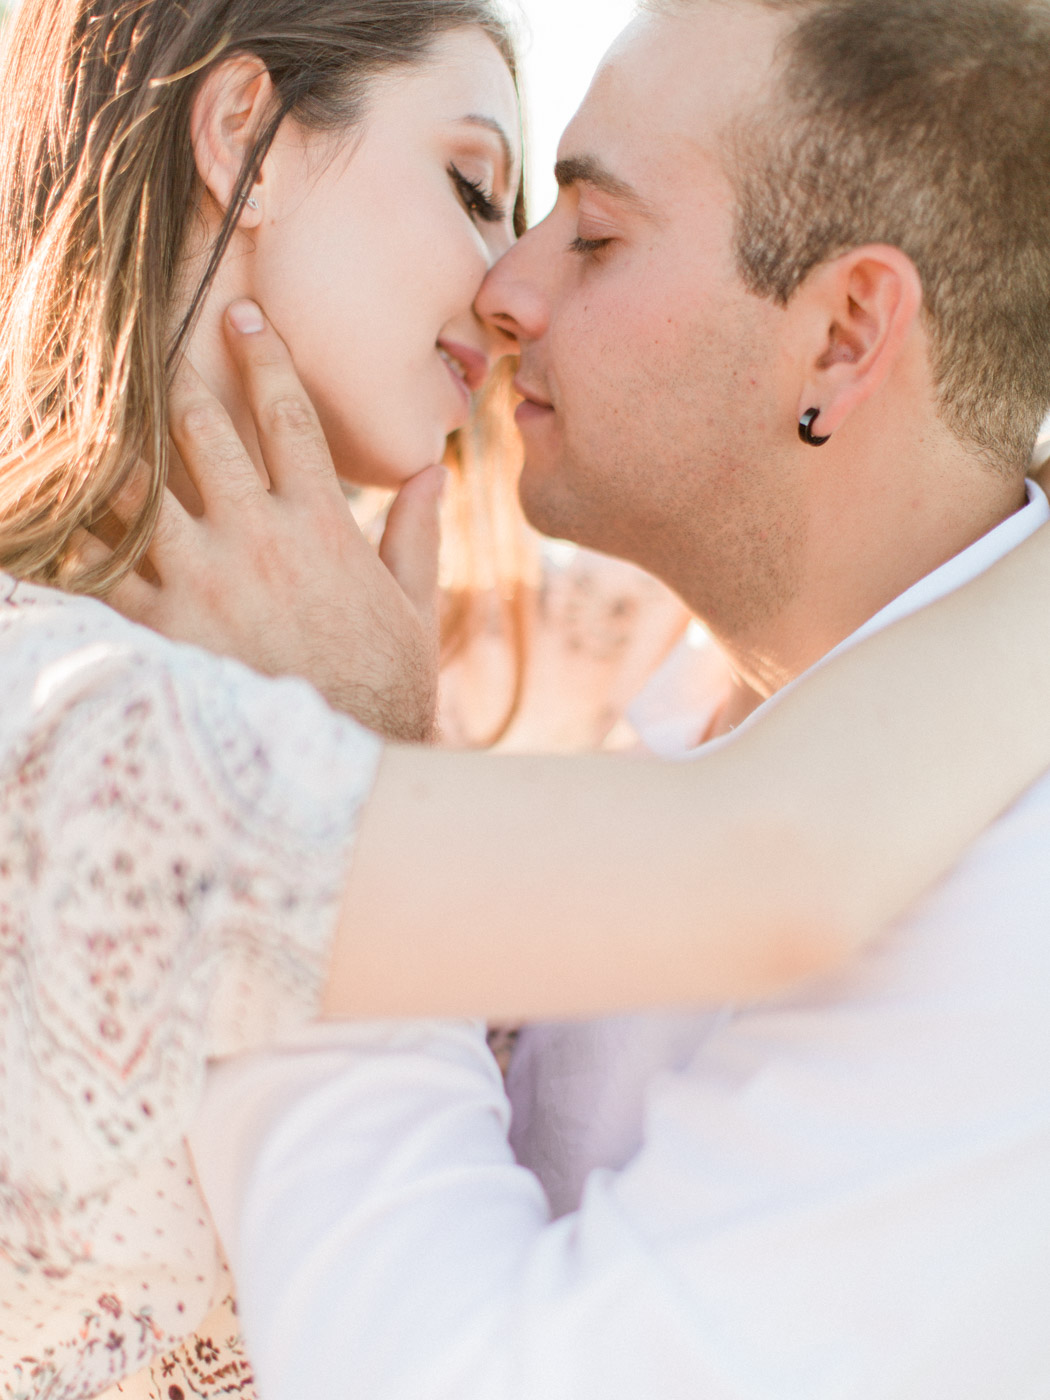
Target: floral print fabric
pixel 210 1364
pixel 174 836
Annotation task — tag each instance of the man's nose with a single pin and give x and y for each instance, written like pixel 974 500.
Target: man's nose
pixel 513 300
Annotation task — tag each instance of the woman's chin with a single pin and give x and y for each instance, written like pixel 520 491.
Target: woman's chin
pixel 386 476
pixel 387 463
pixel 389 470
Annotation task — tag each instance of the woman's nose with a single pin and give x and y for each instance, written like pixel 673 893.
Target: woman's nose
pixel 513 300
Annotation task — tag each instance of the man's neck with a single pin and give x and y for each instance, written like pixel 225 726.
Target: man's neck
pixel 862 551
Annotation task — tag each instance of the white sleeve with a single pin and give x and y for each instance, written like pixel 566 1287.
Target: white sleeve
pixel 840 1196
pixel 386 1245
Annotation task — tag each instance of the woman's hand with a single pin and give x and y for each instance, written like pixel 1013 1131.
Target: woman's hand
pixel 282 578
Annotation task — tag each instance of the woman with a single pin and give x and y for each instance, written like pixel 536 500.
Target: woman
pixel 151 147
pixel 177 828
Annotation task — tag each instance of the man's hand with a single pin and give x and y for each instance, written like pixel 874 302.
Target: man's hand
pixel 282 578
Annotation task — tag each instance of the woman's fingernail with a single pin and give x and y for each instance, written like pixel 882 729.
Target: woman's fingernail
pixel 245 317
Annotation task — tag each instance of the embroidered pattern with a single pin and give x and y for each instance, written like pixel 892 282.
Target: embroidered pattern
pixel 174 833
pixel 207 1366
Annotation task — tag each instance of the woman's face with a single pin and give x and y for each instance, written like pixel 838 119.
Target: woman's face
pixel 372 249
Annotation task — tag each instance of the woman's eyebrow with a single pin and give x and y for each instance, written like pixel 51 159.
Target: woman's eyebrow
pixel 589 170
pixel 491 124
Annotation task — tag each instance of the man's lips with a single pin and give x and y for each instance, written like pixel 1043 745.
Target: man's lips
pixel 533 403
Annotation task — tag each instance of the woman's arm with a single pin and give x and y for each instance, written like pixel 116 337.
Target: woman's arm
pixel 535 887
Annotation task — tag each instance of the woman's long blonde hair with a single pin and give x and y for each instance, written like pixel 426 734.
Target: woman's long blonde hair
pixel 98 192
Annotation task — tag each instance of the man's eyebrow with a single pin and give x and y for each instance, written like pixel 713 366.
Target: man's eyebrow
pixel 588 170
pixel 491 124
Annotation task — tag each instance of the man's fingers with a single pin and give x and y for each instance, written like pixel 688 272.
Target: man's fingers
pixel 293 443
pixel 175 532
pixel 130 500
pixel 215 458
pixel 135 598
pixel 87 551
pixel 412 538
pixel 132 596
pixel 174 537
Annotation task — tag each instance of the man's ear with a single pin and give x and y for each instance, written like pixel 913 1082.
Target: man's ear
pixel 228 113
pixel 861 308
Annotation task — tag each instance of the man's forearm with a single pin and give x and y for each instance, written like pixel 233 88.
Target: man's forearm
pixel 386 1244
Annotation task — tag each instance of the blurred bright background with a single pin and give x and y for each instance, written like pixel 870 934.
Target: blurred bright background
pixel 563 42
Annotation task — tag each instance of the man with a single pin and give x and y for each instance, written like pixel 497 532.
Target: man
pixel 785 342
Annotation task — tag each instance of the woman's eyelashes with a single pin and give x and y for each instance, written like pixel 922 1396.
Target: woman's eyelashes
pixel 477 201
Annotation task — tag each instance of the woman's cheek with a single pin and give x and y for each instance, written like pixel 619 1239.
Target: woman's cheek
pixel 455 265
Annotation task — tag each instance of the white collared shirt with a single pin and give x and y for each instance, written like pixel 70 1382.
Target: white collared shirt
pixel 579 1089
pixel 841 1195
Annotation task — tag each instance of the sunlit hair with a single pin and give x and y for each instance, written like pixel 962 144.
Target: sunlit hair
pixel 98 193
pixel 924 124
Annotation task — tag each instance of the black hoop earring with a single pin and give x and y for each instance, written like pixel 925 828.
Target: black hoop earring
pixel 805 429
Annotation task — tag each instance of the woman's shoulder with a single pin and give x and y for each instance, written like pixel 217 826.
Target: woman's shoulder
pixel 174 834
pixel 269 749
pixel 53 644
pixel 41 626
pixel 59 649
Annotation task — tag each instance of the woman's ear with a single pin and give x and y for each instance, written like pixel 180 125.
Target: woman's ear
pixel 228 114
pixel 860 310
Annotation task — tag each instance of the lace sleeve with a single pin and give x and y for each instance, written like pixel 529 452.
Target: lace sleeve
pixel 174 834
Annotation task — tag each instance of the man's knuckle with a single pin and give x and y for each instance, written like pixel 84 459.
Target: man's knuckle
pixel 238 484
pixel 267 353
pixel 292 413
pixel 204 422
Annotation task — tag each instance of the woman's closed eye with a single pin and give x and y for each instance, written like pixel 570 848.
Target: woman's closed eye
pixel 477 201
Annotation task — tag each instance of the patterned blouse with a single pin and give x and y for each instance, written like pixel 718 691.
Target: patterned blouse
pixel 176 831
pixel 174 836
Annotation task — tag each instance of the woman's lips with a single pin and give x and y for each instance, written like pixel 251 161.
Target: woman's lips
pixel 468 367
pixel 458 379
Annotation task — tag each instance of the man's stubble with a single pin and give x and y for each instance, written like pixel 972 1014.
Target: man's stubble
pixel 679 481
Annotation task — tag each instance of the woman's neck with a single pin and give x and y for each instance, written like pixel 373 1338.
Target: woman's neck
pixel 208 353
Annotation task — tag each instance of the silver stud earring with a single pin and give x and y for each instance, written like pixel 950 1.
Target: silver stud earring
pixel 253 203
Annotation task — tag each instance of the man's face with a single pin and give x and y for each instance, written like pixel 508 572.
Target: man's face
pixel 657 391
